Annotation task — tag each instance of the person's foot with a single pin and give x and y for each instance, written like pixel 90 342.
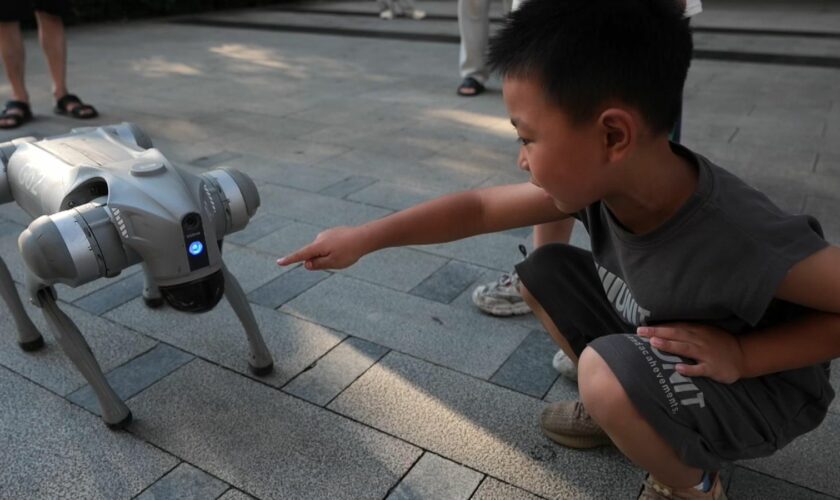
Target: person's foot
pixel 564 365
pixel 386 14
pixel 501 297
pixel 71 105
pixel 417 14
pixel 567 423
pixel 654 490
pixel 15 114
pixel 470 87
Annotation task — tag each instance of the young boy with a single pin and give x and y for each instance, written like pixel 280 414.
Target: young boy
pixel 704 317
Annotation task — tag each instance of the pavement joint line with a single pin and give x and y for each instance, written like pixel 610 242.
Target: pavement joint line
pixel 717 55
pixel 376 362
pixel 161 476
pixel 224 492
pixel 777 478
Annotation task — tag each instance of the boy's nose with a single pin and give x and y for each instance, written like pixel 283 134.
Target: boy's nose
pixel 522 162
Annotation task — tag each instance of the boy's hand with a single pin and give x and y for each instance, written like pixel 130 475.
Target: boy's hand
pixel 717 352
pixel 334 248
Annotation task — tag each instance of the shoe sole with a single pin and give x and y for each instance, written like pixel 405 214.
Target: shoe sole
pixel 578 442
pixel 506 311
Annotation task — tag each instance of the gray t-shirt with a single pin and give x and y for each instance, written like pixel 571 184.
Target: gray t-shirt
pixel 719 260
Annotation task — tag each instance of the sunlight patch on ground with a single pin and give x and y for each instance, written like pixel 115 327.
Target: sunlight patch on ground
pixel 487 123
pixel 158 66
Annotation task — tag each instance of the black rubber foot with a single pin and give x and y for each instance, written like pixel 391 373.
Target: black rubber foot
pixel 261 371
pixel 122 424
pixel 153 303
pixel 32 345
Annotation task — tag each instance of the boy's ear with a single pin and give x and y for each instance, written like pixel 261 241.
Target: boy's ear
pixel 619 131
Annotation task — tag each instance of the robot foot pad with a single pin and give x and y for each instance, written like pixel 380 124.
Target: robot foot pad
pixel 122 424
pixel 153 302
pixel 32 345
pixel 261 371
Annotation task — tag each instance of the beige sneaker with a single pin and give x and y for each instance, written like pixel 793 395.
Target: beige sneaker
pixel 654 490
pixel 569 424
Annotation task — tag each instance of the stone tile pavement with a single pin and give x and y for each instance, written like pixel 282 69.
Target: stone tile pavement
pixel 389 384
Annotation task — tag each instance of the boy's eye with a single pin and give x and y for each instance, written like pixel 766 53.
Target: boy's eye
pixel 523 141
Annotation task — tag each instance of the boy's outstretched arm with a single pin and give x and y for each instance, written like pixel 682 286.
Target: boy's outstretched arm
pixel 443 219
pixel 812 339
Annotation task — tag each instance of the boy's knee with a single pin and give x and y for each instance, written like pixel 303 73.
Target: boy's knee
pixel 601 392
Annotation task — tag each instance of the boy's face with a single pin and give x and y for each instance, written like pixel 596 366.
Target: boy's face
pixel 567 161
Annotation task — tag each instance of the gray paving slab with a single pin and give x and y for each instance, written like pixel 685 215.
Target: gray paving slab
pixel 749 485
pixel 284 458
pixel 233 494
pixel 409 324
pixel 185 482
pixel 809 461
pixel 134 376
pixel 492 489
pixel 323 211
pixel 290 174
pixel 288 238
pixel 260 226
pixel 448 282
pixel 251 268
pixel 436 477
pixel 214 159
pixel 528 369
pixel 289 150
pixel 112 344
pixel 563 389
pixel 285 288
pixel 394 196
pixel 480 425
pixel 218 336
pixel 335 371
pixel 348 186
pixel 54 449
pixel 496 250
pixel 113 295
pixel 402 269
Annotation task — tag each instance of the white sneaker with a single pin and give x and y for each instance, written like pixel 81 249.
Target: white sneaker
pixel 502 297
pixel 386 14
pixel 418 14
pixel 564 365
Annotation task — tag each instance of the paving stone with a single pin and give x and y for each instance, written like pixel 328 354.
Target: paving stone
pixel 448 282
pixel 409 324
pixel 436 477
pixel 287 239
pixel 529 368
pixel 218 336
pixel 112 345
pixel 335 371
pixel 482 426
pixel 53 449
pixel 209 417
pixel 492 489
pixel 233 494
pixel 300 176
pixel 348 186
pixel 400 268
pixel 393 196
pixel 185 482
pixel 288 150
pixel 496 250
pixel 261 225
pixel 810 460
pixel 749 485
pixel 251 268
pixel 563 389
pixel 113 295
pixel 316 209
pixel 283 289
pixel 214 159
pixel 134 376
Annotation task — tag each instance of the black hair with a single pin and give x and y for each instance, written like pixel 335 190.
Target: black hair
pixel 586 52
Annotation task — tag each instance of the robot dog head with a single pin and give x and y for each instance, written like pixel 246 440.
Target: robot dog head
pixel 106 201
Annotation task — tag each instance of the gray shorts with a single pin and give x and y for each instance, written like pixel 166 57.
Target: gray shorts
pixel 706 422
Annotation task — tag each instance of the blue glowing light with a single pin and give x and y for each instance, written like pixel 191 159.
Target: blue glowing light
pixel 196 247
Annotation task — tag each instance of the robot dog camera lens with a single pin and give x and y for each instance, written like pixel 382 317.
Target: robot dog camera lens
pixel 196 296
pixel 191 222
pixel 196 247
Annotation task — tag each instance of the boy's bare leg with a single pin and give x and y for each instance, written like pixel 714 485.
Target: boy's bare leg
pixel 608 404
pixel 548 324
pixel 14 60
pixel 53 42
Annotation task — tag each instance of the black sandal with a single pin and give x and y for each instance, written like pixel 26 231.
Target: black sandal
pixel 18 119
pixel 470 87
pixel 81 111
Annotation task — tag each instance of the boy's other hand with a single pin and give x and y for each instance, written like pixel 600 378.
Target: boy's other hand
pixel 334 248
pixel 717 352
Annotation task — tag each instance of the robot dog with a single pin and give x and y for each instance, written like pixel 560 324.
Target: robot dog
pixel 105 200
